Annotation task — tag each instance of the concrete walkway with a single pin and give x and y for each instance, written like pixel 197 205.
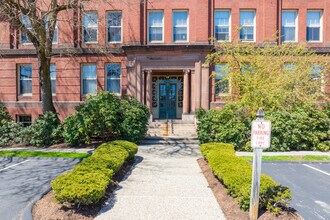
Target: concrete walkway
pixel 165 183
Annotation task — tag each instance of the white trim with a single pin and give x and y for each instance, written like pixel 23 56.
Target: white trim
pixel 254 25
pixel 321 26
pixel 121 28
pixel 163 24
pixel 83 26
pixel 187 26
pixel 296 26
pixel 229 24
pixel 106 78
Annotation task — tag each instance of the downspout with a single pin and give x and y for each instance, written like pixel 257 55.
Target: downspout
pixel 279 22
pixel 145 22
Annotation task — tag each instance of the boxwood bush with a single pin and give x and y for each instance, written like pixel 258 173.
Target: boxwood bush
pixel 236 175
pixel 87 182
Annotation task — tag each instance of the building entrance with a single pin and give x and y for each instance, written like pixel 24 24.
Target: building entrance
pixel 167 97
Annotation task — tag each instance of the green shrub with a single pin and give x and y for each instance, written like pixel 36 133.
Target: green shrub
pixel 87 183
pixel 11 133
pixel 74 130
pixel 135 119
pixel 229 125
pixel 236 174
pixel 4 115
pixel 45 130
pixel 131 148
pixel 80 188
pixel 200 113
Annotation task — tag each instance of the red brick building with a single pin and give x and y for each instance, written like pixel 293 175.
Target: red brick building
pixel 154 51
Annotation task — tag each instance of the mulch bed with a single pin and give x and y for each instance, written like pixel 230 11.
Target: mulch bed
pixel 48 208
pixel 228 204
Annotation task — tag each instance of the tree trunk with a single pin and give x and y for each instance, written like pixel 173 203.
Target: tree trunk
pixel 45 82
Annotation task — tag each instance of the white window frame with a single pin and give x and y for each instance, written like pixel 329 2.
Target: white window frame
pixel 20 33
pixel 94 27
pixel 51 78
pixel 321 26
pixel 120 79
pixel 229 24
pixel 155 41
pixel 254 25
pixel 108 27
pixel 82 79
pixel 295 26
pixel 187 26
pixel 19 79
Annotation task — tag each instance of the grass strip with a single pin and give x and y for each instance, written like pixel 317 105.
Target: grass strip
pixel 22 153
pixel 309 158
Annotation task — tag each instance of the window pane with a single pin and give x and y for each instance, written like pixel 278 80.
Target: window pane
pixel 247 18
pixel 313 34
pixel 90 20
pixel 313 18
pixel 222 18
pixel 288 34
pixel 221 83
pixel 155 19
pixel 90 35
pixel 55 36
pixel 53 78
pixel 246 33
pixel 180 18
pixel 155 34
pixel 25 72
pixel 180 34
pixel 27 23
pixel 114 19
pixel 89 86
pixel 89 71
pixel 316 72
pixel 114 34
pixel 289 18
pixel 25 86
pixel 24 119
pixel 113 78
pixel 90 27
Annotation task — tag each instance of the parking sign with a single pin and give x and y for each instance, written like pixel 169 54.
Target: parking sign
pixel 260 134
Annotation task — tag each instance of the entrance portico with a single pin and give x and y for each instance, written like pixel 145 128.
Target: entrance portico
pixel 172 84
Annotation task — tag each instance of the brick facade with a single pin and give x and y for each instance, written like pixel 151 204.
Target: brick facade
pixel 141 60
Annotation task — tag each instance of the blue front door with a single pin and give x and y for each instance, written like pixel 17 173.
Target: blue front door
pixel 167 99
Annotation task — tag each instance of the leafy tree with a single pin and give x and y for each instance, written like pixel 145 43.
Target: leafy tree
pixel 273 77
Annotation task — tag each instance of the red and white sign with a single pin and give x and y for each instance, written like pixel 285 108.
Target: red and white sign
pixel 260 134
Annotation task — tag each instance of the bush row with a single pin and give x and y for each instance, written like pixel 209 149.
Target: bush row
pixel 87 182
pixel 236 174
pixel 304 128
pixel 102 117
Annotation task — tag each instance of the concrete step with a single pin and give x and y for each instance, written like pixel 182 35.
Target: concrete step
pixel 156 140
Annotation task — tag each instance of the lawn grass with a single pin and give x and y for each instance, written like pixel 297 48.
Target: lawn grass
pixel 20 153
pixel 292 158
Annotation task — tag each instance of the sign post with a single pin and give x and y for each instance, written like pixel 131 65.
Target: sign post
pixel 260 139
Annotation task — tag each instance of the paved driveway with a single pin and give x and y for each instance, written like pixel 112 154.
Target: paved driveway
pixel 309 183
pixel 24 180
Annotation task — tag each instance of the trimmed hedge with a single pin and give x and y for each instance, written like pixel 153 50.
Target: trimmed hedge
pixel 236 174
pixel 87 182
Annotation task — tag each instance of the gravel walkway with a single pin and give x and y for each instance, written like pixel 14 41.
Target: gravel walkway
pixel 165 183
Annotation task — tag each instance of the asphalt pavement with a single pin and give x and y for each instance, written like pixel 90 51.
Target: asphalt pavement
pixel 309 184
pixel 23 181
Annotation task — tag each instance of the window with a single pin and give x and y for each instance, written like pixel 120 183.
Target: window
pixel 114 27
pixel 180 26
pixel 26 23
pixel 24 119
pixel 221 79
pixel 247 23
pixel 289 67
pixel 247 69
pixel 316 72
pixel 314 26
pixel 155 24
pixel 222 25
pixel 113 73
pixel 90 27
pixel 53 78
pixel 289 23
pixel 25 79
pixel 55 36
pixel 88 79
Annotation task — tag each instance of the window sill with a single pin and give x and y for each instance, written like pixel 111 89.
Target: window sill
pixel 93 42
pixel 314 42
